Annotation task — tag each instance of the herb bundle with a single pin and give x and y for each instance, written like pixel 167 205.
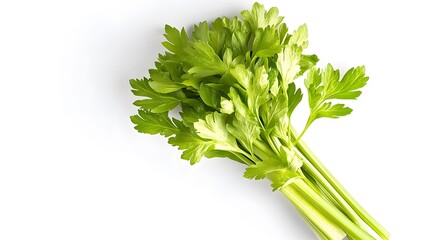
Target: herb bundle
pixel 233 82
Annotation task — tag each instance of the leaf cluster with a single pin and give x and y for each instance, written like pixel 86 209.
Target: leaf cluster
pixel 232 81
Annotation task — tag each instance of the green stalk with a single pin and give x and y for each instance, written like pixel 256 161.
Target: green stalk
pixel 338 188
pixel 328 190
pixel 335 216
pixel 319 223
pixel 332 193
pixel 243 158
pixel 263 151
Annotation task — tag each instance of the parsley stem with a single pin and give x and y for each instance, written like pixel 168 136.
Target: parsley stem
pixel 297 139
pixel 263 151
pixel 320 224
pixel 337 187
pixel 329 191
pixel 326 188
pixel 243 158
pixel 273 146
pixel 289 139
pixel 327 209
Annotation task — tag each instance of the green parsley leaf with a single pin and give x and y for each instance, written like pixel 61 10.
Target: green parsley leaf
pixel 258 93
pixel 266 42
pixel 325 85
pixel 273 111
pixel 259 18
pixel 282 33
pixel 191 113
pixel 204 60
pixel 288 64
pixel 210 96
pixel 194 146
pixel 213 127
pixel 161 82
pixel 306 62
pixel 241 109
pixel 242 75
pixel 347 88
pixel 155 101
pixel 227 106
pixel 218 36
pixel 300 37
pixel 294 98
pixel 201 32
pixel 154 123
pixel 280 171
pixel 282 178
pixel 177 41
pixel 332 111
pixel 261 169
pixel 245 131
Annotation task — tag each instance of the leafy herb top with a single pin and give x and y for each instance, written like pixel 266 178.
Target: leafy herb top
pixel 233 81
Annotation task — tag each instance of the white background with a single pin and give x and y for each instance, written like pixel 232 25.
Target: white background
pixel 73 167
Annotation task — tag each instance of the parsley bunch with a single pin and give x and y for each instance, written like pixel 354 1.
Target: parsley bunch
pixel 233 81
